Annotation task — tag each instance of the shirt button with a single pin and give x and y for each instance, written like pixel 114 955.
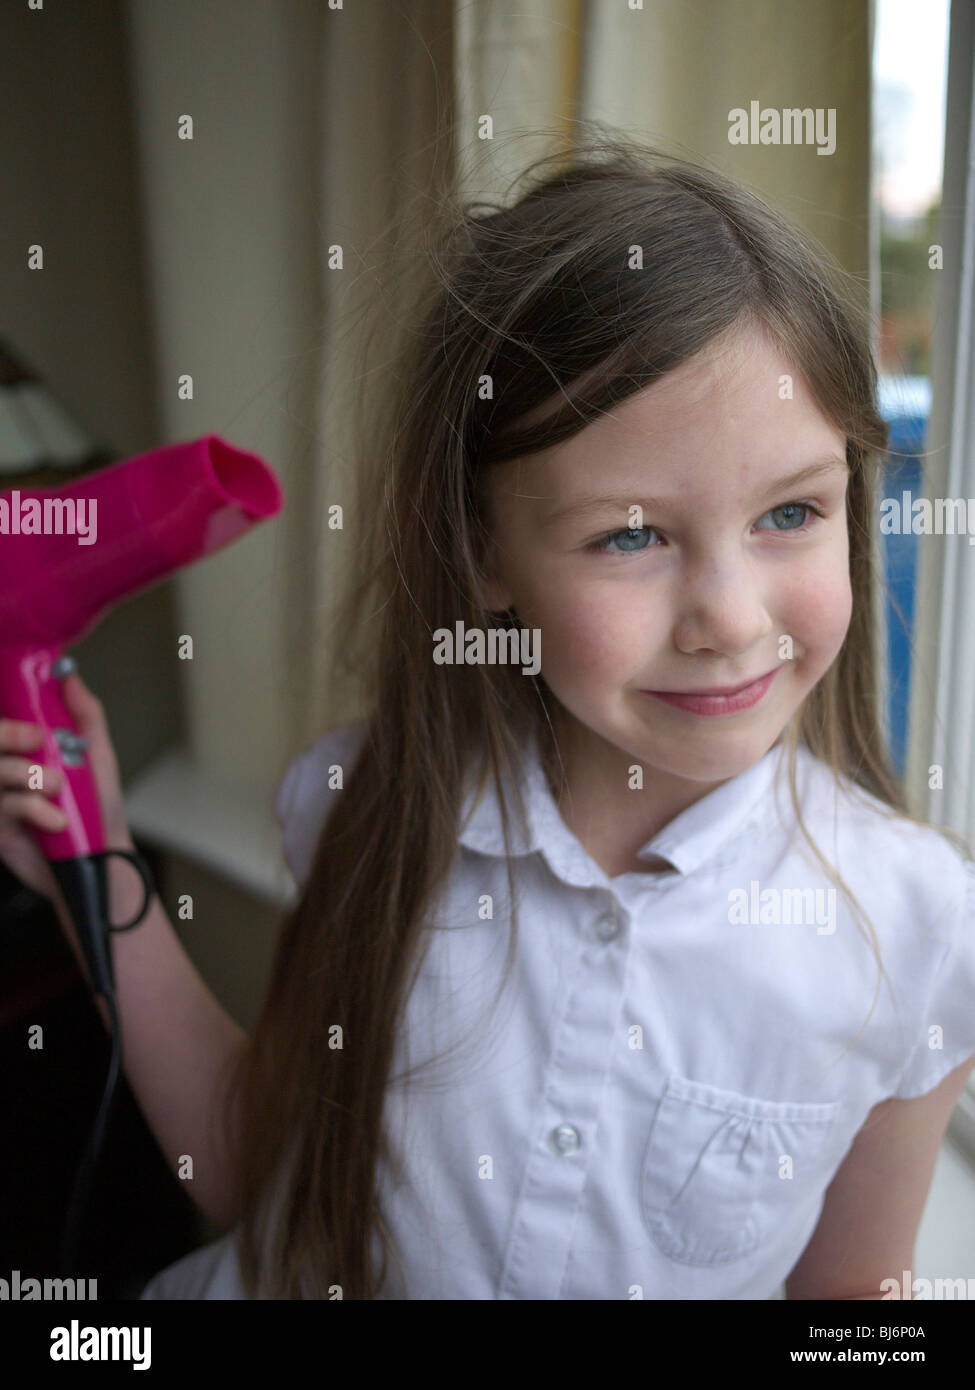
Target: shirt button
pixel 607 926
pixel 565 1138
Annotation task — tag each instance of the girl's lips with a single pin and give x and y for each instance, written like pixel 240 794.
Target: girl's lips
pixel 718 704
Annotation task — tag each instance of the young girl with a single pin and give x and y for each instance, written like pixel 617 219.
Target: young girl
pixel 629 976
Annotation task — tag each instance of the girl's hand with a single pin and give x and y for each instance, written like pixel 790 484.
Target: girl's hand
pixel 20 807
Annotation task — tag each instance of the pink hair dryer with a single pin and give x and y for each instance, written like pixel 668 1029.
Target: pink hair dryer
pixel 66 555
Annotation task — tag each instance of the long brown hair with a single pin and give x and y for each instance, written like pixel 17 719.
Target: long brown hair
pixel 536 298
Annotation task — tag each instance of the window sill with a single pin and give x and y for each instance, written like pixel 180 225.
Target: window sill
pixel 175 806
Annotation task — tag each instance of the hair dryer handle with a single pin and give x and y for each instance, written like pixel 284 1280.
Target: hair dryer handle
pixel 84 883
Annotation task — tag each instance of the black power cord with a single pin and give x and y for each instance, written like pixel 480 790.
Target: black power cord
pixel 84 885
pixel 85 1175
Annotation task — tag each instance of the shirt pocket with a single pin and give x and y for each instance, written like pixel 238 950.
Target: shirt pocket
pixel 710 1185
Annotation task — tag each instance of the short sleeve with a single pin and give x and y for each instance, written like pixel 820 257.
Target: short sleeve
pixel 306 794
pixel 946 1027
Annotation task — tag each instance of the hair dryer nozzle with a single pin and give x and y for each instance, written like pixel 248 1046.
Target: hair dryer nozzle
pixel 70 552
pixel 195 498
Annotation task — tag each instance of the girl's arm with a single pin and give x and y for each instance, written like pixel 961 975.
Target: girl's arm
pixel 177 1040
pixel 873 1207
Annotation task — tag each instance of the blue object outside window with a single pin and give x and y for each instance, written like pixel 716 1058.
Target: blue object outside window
pixel 905 404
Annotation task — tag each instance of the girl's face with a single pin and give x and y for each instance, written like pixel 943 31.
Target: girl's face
pixel 727 560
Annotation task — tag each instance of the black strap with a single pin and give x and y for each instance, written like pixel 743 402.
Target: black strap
pixel 145 874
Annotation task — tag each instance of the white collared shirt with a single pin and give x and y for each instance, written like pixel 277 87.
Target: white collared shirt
pixel 662 1097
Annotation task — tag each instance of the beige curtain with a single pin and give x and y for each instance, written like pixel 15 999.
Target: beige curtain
pixel 672 71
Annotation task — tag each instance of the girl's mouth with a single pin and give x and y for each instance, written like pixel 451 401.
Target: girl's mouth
pixel 745 698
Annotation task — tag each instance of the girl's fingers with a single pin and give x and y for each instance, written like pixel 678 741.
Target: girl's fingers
pixel 14 773
pixel 87 709
pixel 88 714
pixel 21 806
pixel 17 734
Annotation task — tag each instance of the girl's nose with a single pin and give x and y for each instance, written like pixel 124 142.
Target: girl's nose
pixel 721 610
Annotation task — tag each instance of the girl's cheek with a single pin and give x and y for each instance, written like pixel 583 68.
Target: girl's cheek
pixel 817 612
pixel 825 593
pixel 599 635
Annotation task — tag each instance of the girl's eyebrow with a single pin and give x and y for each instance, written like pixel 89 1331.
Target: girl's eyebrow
pixel 593 501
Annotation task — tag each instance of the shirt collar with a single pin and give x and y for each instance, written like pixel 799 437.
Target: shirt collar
pixel 688 841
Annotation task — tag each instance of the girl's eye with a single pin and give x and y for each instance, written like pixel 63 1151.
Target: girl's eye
pixel 632 540
pixel 791 523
